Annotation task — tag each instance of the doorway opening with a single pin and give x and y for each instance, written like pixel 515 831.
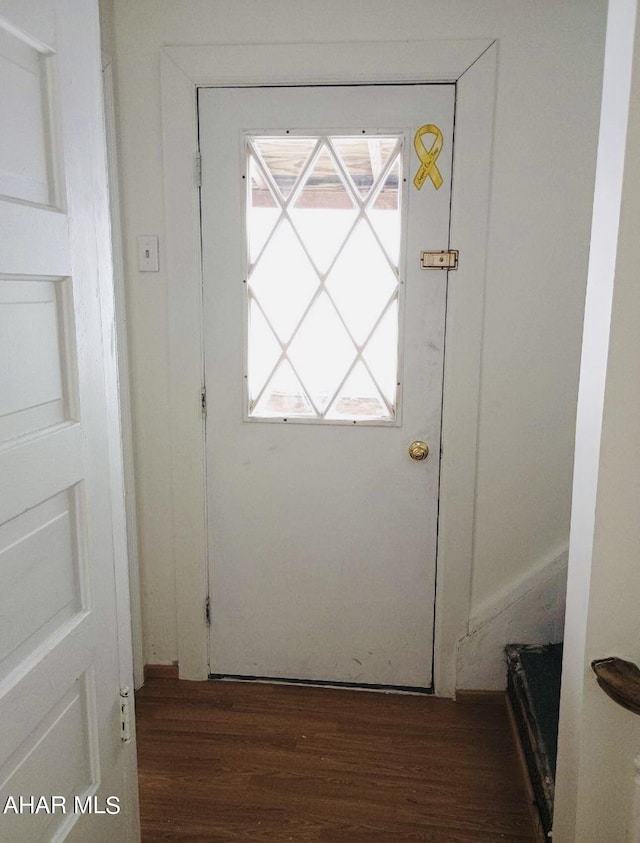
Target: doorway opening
pixel 324 355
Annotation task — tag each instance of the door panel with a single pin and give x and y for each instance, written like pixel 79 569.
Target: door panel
pixel 59 677
pixel 322 529
pixel 26 153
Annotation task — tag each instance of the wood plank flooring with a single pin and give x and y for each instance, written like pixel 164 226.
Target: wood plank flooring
pixel 239 761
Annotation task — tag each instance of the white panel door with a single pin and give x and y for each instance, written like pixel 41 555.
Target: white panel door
pixel 323 360
pixel 59 659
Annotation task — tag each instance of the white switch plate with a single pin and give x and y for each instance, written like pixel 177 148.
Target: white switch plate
pixel 148 258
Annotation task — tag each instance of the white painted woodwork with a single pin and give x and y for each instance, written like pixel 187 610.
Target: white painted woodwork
pixel 61 736
pixel 39 238
pixel 60 653
pixel 32 350
pixel 598 741
pixel 444 60
pixel 130 587
pixel 532 611
pixel 25 160
pixel 472 169
pixel 182 69
pixel 41 572
pixel 322 538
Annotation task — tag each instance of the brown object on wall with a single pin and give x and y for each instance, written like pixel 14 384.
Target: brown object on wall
pixel 620 680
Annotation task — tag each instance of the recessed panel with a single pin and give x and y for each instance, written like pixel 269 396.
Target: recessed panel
pixel 39 558
pixel 54 761
pixel 25 140
pixel 32 350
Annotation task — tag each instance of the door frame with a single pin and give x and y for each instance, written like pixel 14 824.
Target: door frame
pixel 127 545
pixel 471 65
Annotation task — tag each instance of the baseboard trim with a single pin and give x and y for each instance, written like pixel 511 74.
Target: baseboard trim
pixel 532 613
pixel 527 583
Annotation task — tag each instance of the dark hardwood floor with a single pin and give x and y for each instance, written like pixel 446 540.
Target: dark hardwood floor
pixel 240 761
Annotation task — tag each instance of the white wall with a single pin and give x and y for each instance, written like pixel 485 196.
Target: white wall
pixel 530 611
pixel 550 57
pixel 598 740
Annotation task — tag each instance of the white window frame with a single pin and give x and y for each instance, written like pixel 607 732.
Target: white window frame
pixel 394 408
pixel 471 65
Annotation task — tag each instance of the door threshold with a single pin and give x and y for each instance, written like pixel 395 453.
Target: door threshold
pixel 323 683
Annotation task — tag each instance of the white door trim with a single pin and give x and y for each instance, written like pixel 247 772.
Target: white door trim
pixel 129 530
pixel 471 65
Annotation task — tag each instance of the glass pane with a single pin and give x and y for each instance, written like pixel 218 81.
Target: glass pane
pixel 283 281
pixel 364 158
pixel 262 210
pixel 264 350
pixel 361 282
pixel 359 398
pixel 322 352
pixel 283 397
pixel 385 213
pixel 284 159
pixel 323 211
pixel 381 353
pixel 319 331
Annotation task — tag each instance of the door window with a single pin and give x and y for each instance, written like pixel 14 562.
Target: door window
pixel 323 246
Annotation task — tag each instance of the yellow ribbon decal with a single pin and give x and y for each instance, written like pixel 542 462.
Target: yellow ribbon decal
pixel 428 157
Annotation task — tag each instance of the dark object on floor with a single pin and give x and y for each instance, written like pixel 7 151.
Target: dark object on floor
pixel 534 691
pixel 620 680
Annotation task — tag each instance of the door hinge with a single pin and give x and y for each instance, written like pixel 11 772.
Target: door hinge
pixel 198 169
pixel 439 260
pixel 207 611
pixel 125 715
pixel 203 402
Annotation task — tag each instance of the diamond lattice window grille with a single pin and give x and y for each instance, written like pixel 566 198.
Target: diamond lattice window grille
pixel 323 231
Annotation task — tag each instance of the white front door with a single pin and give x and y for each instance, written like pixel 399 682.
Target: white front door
pixel 323 361
pixel 64 771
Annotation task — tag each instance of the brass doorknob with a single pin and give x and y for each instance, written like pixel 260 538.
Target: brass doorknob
pixel 418 450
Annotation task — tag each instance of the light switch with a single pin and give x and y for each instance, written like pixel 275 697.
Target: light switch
pixel 148 257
